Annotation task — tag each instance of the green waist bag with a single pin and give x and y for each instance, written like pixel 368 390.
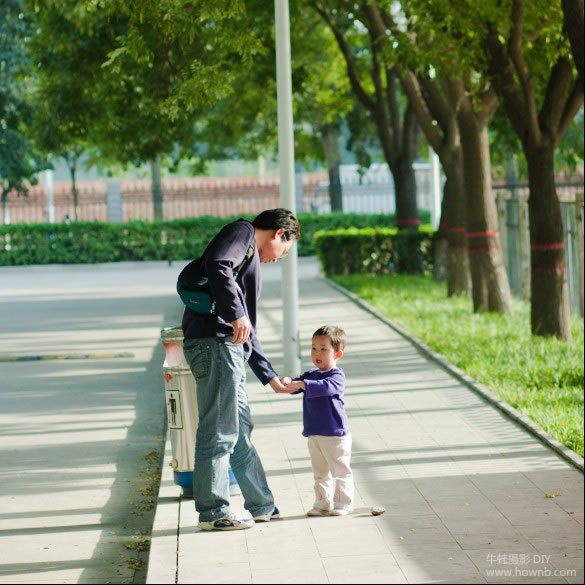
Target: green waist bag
pixel 194 292
pixel 193 285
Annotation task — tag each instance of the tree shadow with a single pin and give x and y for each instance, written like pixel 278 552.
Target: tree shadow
pixel 81 427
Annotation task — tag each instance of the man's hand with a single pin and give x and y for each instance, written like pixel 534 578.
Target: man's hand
pixel 277 386
pixel 242 328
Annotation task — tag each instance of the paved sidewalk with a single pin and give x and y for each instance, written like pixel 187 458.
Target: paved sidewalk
pixel 468 493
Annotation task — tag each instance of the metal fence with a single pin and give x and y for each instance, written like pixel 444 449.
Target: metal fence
pixel 373 192
pixel 512 202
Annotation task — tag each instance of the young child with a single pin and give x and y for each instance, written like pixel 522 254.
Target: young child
pixel 325 423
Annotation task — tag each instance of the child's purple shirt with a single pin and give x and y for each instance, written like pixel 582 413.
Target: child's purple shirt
pixel 323 404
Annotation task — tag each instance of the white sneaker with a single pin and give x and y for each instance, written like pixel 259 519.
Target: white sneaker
pixel 229 522
pixel 274 515
pixel 318 512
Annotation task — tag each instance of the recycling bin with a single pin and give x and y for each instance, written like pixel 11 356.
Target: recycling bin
pixel 182 412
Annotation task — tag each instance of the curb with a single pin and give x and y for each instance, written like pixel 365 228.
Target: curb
pixel 519 418
pixel 66 356
pixel 164 540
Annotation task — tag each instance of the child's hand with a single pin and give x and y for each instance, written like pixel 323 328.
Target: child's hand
pixel 286 380
pixel 295 386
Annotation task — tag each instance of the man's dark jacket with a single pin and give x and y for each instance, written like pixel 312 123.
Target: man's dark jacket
pixel 233 297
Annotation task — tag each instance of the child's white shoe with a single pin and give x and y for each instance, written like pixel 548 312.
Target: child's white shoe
pixel 341 511
pixel 318 512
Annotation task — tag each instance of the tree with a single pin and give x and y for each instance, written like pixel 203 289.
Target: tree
pixel 244 124
pixel 507 152
pixel 529 59
pixel 376 86
pixel 19 163
pixel 63 116
pixel 149 68
pixel 574 21
pixel 474 101
pixel 437 116
pixel 322 92
pixel 453 108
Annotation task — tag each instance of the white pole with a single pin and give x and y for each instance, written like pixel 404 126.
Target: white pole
pixel 436 194
pixel 49 195
pixel 286 161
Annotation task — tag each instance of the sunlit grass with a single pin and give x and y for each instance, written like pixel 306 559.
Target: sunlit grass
pixel 541 377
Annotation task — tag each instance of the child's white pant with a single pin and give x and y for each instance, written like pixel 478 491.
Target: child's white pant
pixel 330 457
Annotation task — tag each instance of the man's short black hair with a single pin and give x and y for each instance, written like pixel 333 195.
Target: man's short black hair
pixel 275 219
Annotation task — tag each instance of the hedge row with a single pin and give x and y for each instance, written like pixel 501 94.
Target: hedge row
pixel 375 250
pixel 182 239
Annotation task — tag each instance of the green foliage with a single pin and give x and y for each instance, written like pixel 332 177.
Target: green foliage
pixel 18 161
pixel 131 78
pixel 311 224
pixel 461 29
pixel 541 377
pixel 504 144
pixel 196 46
pixel 569 154
pixel 181 239
pixel 243 124
pixel 372 250
pixel 322 92
pixel 78 101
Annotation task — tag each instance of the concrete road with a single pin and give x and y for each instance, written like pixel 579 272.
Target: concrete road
pixel 81 438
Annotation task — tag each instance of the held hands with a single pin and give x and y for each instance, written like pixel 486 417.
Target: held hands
pixel 286 385
pixel 295 386
pixel 277 386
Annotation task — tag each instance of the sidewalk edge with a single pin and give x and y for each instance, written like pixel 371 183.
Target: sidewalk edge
pixel 521 419
pixel 162 557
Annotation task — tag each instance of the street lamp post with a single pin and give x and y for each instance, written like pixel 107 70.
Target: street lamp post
pixel 286 158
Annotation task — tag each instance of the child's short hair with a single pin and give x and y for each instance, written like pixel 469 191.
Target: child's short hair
pixel 336 335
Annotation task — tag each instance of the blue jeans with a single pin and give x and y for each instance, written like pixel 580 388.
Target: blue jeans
pixel 223 434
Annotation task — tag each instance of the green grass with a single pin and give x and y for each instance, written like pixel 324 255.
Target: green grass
pixel 540 377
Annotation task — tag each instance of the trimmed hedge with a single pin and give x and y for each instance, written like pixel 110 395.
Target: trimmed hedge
pixel 181 239
pixel 375 250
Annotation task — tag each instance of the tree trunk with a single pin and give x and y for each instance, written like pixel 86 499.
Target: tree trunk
pixel 490 286
pixel 73 173
pixel 549 288
pixel 405 189
pixel 441 241
pixel 573 18
pixel 5 219
pixel 459 279
pixel 400 166
pixel 409 253
pixel 157 194
pixel 435 105
pixel 330 139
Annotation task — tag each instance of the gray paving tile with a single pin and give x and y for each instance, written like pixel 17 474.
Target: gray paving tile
pixel 364 569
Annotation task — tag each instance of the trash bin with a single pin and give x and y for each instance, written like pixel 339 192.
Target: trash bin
pixel 182 413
